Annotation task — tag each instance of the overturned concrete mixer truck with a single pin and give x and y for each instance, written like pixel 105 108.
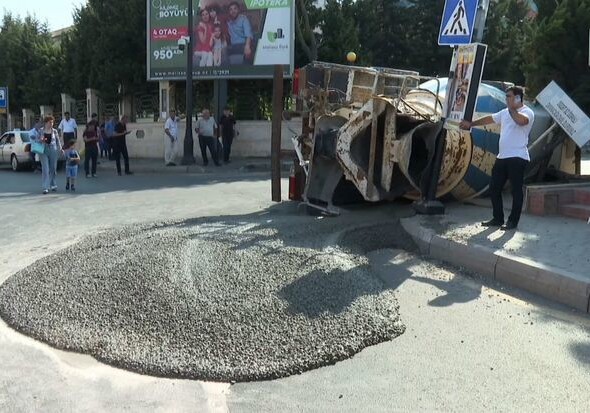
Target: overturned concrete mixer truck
pixel 369 134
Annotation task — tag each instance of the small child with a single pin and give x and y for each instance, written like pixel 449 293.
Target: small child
pixel 72 162
pixel 218 43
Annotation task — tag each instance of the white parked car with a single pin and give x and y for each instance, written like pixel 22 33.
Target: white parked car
pixel 15 150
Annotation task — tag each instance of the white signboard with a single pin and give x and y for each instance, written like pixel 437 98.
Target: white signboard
pixel 566 113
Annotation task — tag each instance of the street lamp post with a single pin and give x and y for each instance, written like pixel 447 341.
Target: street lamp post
pixel 189 158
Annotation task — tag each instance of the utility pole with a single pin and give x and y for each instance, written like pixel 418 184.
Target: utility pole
pixel 275 145
pixel 188 157
pixel 429 205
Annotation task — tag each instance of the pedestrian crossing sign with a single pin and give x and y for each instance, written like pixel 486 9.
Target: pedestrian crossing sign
pixel 457 22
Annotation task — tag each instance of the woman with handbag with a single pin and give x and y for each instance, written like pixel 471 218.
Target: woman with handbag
pixel 48 154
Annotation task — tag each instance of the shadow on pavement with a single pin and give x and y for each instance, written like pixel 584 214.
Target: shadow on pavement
pixel 330 291
pixel 20 185
pixel 581 351
pixel 395 268
pixel 457 292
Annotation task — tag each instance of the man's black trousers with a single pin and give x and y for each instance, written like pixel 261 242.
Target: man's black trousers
pixel 508 169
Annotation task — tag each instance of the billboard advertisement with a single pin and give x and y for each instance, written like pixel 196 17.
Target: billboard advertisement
pixel 461 96
pixel 231 38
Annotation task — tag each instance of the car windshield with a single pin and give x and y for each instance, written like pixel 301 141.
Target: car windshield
pixel 25 137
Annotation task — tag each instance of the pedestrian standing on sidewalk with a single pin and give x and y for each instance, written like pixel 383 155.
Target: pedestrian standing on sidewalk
pixel 68 128
pixel 103 144
pixel 120 145
pixel 206 129
pixel 50 138
pixel 171 139
pixel 109 129
pixel 91 139
pixel 227 124
pixel 513 157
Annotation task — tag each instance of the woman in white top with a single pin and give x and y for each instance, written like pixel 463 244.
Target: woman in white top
pixel 50 139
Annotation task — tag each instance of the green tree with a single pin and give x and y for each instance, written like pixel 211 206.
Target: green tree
pixel 402 34
pixel 505 34
pixel 29 63
pixel 307 17
pixel 107 47
pixel 418 38
pixel 557 50
pixel 339 32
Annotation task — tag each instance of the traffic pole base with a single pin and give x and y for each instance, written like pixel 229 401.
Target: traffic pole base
pixel 433 207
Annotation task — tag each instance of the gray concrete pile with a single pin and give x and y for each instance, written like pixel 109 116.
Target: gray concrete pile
pixel 232 299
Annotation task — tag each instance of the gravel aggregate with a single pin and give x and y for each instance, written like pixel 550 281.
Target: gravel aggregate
pixel 232 299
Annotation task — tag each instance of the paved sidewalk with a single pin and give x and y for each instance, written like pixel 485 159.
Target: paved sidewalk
pixel 157 166
pixel 546 255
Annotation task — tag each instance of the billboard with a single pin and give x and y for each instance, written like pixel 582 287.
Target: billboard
pixel 231 38
pixel 461 95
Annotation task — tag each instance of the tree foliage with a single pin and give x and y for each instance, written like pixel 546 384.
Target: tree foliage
pixel 107 47
pixel 403 34
pixel 506 32
pixel 29 63
pixel 306 20
pixel 557 49
pixel 338 31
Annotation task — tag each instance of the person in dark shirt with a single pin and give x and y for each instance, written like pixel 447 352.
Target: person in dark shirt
pixel 120 145
pixel 227 124
pixel 91 138
pixel 103 143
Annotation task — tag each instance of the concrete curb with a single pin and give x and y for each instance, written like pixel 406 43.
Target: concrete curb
pixel 555 284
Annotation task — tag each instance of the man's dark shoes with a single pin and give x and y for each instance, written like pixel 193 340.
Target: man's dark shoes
pixel 509 225
pixel 128 173
pixel 492 223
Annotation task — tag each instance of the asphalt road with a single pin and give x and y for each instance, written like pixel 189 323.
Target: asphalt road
pixel 467 346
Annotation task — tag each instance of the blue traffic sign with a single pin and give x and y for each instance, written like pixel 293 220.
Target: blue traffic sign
pixel 457 22
pixel 3 98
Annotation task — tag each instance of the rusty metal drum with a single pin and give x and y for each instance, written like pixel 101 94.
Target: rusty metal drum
pixel 469 156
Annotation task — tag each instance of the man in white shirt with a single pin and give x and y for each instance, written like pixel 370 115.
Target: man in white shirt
pixel 171 139
pixel 68 129
pixel 515 123
pixel 206 128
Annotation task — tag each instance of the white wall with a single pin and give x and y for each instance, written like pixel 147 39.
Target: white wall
pixel 253 141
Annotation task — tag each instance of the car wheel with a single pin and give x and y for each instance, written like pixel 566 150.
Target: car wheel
pixel 14 163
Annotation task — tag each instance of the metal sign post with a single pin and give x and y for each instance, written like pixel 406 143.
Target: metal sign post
pixel 463 22
pixel 275 146
pixel 188 157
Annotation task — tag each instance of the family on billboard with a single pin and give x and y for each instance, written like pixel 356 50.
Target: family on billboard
pixel 225 33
